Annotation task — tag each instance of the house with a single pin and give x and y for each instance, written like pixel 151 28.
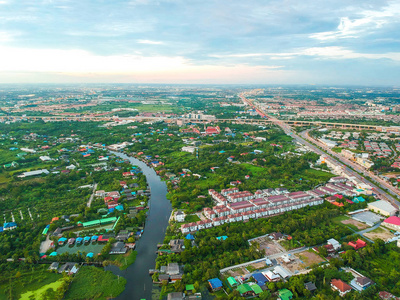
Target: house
pixel 361 283
pixel 259 278
pixel 285 294
pixel 61 241
pixel 336 245
pixel 176 296
pixel 66 267
pixel 271 276
pixel 9 226
pixel 232 281
pixel 244 290
pixel 53 266
pixel 177 245
pixel 71 241
pixel 358 199
pixel 118 248
pixel 310 286
pixel 340 286
pixel 357 244
pixel 392 222
pixel 179 216
pixel 215 284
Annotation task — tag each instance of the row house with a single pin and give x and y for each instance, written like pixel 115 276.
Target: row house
pixel 242 206
pixel 209 213
pixel 338 179
pixel 208 224
pixel 242 196
pixel 222 211
pixel 185 228
pixel 226 192
pixel 278 200
pixel 200 225
pixel 260 202
pixel 326 191
pixel 299 196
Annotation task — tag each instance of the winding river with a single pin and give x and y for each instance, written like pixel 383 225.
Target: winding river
pixel 139 283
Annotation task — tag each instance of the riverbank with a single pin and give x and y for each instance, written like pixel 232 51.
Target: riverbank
pixel 139 283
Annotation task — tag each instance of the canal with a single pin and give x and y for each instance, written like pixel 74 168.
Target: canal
pixel 139 283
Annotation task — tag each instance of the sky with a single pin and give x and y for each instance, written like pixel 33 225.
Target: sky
pixel 200 41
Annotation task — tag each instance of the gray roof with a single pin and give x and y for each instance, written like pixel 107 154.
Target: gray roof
pixel 383 205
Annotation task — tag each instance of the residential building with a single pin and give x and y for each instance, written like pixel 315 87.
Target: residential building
pixel 340 286
pixel 392 222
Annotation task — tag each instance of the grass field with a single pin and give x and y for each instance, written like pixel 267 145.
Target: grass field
pixel 28 281
pixel 95 283
pixel 37 293
pixel 123 261
pixel 191 218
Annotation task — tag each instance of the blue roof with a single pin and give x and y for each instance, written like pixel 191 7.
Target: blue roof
pixel 63 239
pixel 89 254
pixel 215 283
pixel 87 238
pixel 223 237
pixel 119 207
pixel 95 237
pixel 9 224
pixel 79 239
pixel 189 237
pixel 53 253
pixel 259 278
pixel 1 229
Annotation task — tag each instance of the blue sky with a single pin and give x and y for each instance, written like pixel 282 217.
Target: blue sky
pixel 190 41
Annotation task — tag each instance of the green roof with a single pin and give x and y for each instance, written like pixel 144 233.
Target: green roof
pixel 108 220
pixel 256 289
pixel 91 223
pixel 189 287
pixel 285 294
pixel 232 281
pixel 244 288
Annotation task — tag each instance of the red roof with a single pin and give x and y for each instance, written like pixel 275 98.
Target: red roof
pixel 393 220
pixel 101 239
pixel 340 285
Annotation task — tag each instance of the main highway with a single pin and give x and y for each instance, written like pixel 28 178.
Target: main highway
pixel 351 167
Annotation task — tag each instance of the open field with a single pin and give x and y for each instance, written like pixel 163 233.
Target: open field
pixel 379 233
pixel 302 261
pixel 37 293
pixel 357 224
pixel 270 247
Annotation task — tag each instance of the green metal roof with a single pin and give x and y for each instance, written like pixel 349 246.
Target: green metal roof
pixel 256 289
pixel 285 294
pixel 91 223
pixel 232 281
pixel 189 287
pixel 244 288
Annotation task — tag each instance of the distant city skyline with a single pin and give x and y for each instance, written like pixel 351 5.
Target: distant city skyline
pixel 187 42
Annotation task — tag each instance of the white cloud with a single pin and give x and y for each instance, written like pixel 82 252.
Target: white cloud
pixel 369 21
pixel 333 52
pixel 149 42
pixel 83 65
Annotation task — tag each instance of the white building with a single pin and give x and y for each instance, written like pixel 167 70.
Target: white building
pixel 382 207
pixel 189 149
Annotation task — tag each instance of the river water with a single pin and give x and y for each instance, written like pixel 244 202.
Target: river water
pixel 139 283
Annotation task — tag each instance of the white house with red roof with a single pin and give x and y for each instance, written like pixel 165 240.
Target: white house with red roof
pixel 392 222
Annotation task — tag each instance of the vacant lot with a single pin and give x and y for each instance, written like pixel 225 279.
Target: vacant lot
pixel 270 246
pixel 379 233
pixel 358 225
pixel 237 272
pixel 303 260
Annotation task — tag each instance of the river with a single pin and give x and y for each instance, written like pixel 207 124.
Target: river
pixel 139 283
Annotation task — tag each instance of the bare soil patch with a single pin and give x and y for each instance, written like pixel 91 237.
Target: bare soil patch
pixel 379 233
pixel 270 247
pixel 358 224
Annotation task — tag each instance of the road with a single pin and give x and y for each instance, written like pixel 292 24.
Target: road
pixel 341 160
pixel 92 195
pixel 378 182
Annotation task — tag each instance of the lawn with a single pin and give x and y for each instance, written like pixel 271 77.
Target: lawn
pixel 339 219
pixel 191 218
pixel 28 281
pixel 37 293
pixel 95 283
pixel 123 261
